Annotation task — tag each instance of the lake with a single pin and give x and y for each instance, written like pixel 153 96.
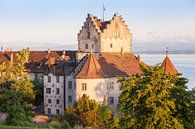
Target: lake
pixel 184 63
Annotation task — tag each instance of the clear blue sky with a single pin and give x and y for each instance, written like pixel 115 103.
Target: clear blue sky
pixel 58 21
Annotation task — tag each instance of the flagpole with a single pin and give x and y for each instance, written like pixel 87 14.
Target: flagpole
pixel 103 12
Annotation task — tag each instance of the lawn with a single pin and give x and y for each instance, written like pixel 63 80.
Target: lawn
pixel 18 127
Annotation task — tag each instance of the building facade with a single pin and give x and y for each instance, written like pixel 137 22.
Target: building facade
pixel 104 36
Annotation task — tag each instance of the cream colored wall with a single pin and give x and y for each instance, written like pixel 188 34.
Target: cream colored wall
pixel 96 89
pixel 118 45
pixel 118 34
pixel 102 39
pixel 53 96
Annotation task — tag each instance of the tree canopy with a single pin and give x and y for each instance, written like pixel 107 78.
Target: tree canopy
pixel 89 113
pixel 155 100
pixel 16 90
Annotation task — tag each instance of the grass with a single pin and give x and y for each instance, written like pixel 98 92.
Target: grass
pixel 31 126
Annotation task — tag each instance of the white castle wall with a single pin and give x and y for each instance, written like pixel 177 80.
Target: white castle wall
pixel 97 89
pixel 53 96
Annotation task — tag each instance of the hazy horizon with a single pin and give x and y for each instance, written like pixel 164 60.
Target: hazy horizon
pixel 36 23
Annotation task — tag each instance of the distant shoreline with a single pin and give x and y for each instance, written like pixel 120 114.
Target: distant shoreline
pixel 163 52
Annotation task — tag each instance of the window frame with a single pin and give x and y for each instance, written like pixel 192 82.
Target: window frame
pixel 49 79
pixel 84 86
pixel 57 91
pixel 48 91
pixel 111 100
pixel 70 85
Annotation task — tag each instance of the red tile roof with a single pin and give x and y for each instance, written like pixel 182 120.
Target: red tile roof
pixel 91 69
pixel 168 66
pixel 41 61
pixel 109 65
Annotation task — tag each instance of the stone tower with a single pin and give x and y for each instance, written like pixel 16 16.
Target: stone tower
pixel 98 36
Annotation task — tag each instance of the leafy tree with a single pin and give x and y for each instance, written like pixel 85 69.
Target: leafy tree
pixel 16 90
pixel 146 100
pixel 89 113
pixel 38 89
pixel 185 102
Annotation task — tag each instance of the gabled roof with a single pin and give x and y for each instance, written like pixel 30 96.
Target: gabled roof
pixel 109 65
pixel 91 69
pixel 168 66
pixel 42 61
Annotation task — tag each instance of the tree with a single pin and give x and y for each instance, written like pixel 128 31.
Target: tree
pixel 146 100
pixel 89 113
pixel 38 89
pixel 184 101
pixel 16 90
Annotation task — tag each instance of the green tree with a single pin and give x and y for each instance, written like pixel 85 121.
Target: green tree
pixel 89 113
pixel 16 90
pixel 146 101
pixel 38 89
pixel 184 101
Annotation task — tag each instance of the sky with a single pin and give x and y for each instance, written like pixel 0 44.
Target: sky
pixel 47 23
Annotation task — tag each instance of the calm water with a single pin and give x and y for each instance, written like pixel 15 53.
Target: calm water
pixel 185 63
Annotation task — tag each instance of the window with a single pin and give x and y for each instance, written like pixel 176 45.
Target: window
pixel 57 111
pixel 49 100
pixel 116 34
pixel 88 35
pixel 70 99
pixel 49 111
pixel 57 79
pixel 84 86
pixel 111 85
pixel 92 46
pixel 111 45
pixel 36 77
pixel 57 90
pixel 86 46
pixel 111 100
pixel 69 84
pixel 48 90
pixel 49 78
pixel 57 101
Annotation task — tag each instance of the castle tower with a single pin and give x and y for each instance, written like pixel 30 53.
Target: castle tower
pixel 104 36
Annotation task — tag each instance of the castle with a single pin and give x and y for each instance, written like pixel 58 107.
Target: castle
pixel 104 53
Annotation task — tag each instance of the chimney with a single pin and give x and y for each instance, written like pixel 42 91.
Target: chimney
pixel 11 57
pixel 63 54
pixel 48 51
pixel 1 49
